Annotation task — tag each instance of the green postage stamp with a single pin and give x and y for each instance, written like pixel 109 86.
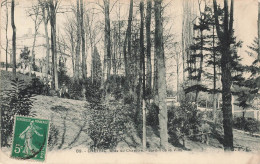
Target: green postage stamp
pixel 30 138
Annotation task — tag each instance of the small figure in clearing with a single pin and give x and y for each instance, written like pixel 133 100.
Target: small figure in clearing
pixel 64 91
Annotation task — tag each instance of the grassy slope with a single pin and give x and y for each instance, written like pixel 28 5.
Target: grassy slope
pixel 69 117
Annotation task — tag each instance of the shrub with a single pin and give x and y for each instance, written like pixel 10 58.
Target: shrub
pixel 115 85
pixel 250 125
pixel 107 126
pixel 128 98
pixel 75 90
pixel 184 121
pixel 152 115
pixel 37 86
pixel 239 122
pixel 93 93
pixel 18 100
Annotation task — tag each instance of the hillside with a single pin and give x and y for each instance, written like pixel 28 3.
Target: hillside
pixel 70 118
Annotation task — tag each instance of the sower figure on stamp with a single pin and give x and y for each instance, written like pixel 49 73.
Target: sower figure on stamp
pixel 27 134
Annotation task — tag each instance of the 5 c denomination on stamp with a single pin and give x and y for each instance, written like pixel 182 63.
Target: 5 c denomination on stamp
pixel 30 138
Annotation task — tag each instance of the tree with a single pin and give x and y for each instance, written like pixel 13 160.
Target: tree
pixel 83 37
pixel 13 39
pixel 199 49
pixel 142 70
pixel 226 38
pixel 159 52
pixel 71 31
pixel 177 58
pixel 96 66
pixel 78 43
pixel 52 14
pixel 248 89
pixel 258 30
pixel 92 33
pixel 6 35
pixel 187 33
pixel 44 6
pixel 128 38
pixel 34 13
pixel 148 47
pixel 107 39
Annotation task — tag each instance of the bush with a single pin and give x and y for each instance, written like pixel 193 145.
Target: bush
pixel 184 121
pixel 18 100
pixel 93 93
pixel 107 127
pixel 128 98
pixel 239 122
pixel 37 86
pixel 152 115
pixel 250 125
pixel 75 90
pixel 116 85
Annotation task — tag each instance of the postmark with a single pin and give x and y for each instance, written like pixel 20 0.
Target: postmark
pixel 30 138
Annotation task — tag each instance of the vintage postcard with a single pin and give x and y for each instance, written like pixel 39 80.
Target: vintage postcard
pixel 130 81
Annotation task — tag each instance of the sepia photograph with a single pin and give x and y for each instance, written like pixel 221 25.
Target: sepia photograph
pixel 130 81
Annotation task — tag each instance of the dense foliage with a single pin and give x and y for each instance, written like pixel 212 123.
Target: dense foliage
pixel 186 122
pixel 247 124
pixel 16 101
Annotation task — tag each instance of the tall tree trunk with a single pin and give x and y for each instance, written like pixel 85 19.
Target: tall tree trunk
pixel 45 21
pixel 115 50
pixel 107 38
pixel 6 37
pixel 183 37
pixel 72 53
pixel 128 38
pixel 92 42
pixel 177 72
pixel 37 22
pixel 53 43
pixel 225 36
pixel 258 31
pixel 14 39
pixel 33 53
pixel 83 36
pixel 214 77
pixel 78 44
pixel 148 50
pixel 142 68
pixel 161 74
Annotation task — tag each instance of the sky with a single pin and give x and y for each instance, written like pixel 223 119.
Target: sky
pixel 245 22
